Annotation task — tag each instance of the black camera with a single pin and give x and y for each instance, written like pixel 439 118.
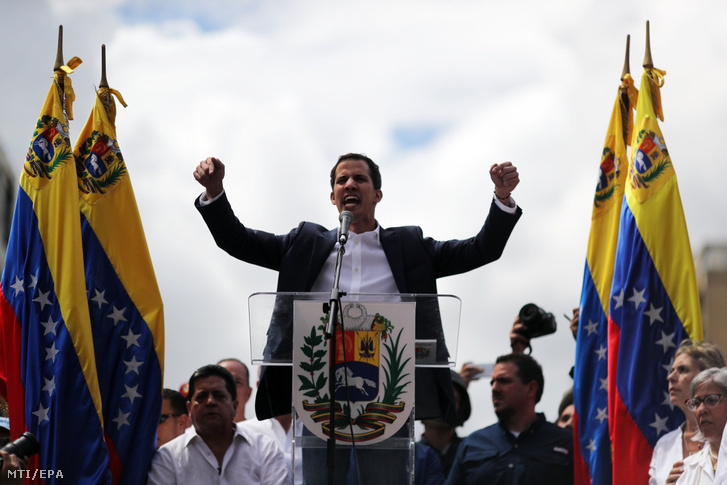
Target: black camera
pixel 537 321
pixel 22 447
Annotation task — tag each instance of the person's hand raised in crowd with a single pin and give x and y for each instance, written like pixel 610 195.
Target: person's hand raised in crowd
pixel 209 173
pixel 574 322
pixel 12 463
pixel 518 341
pixel 469 372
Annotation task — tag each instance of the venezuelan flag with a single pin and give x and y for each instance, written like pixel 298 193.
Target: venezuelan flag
pixel 593 444
pixel 48 359
pixel 124 302
pixel 654 300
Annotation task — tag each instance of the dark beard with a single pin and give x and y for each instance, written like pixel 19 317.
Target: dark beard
pixel 504 414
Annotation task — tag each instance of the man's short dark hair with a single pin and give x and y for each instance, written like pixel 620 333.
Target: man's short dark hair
pixel 373 168
pixel 212 370
pixel 566 401
pixel 176 400
pixel 232 359
pixel 528 370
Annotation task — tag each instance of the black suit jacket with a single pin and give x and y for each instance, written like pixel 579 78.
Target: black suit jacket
pixel 416 263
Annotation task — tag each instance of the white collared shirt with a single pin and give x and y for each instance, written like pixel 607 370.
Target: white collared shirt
pixel 364 268
pixel 697 468
pixel 667 451
pixel 720 476
pixel 252 458
pixel 272 428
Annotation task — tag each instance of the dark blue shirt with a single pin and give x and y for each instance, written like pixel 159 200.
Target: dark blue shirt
pixel 542 454
pixel 427 468
pixel 446 458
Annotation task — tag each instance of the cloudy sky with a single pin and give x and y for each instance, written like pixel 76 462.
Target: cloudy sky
pixel 434 91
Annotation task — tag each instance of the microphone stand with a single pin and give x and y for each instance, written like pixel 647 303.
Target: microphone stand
pixel 333 305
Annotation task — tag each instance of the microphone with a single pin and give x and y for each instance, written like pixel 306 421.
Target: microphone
pixel 345 219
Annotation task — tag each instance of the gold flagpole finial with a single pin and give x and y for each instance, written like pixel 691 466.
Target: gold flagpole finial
pixel 627 69
pixel 648 61
pixel 626 122
pixel 59 56
pixel 104 83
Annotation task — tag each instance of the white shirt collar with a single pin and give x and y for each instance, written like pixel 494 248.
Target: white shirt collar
pixel 374 235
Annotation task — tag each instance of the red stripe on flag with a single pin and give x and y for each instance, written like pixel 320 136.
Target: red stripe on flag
pixel 614 337
pixel 114 461
pixel 11 336
pixel 580 469
pixel 631 452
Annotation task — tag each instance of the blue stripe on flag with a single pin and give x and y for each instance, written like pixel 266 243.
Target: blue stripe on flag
pixel 128 367
pixel 57 399
pixel 591 383
pixel 650 334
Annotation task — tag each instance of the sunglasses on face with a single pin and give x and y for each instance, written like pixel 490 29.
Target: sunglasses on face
pixel 164 417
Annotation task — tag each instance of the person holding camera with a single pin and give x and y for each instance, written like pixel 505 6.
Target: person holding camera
pixel 520 336
pixel 530 322
pixel 11 463
pixel 522 447
pixel 533 321
pixel 14 455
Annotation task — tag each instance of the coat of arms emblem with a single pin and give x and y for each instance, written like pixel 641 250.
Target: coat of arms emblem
pixel 373 370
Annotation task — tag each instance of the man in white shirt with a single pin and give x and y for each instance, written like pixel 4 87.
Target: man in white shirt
pixel 280 429
pixel 215 450
pixel 377 260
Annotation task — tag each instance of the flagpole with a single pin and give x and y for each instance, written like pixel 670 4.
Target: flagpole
pixel 59 74
pixel 648 61
pixel 59 62
pixel 104 83
pixel 625 102
pixel 656 76
pixel 59 55
pixel 627 69
pixel 103 93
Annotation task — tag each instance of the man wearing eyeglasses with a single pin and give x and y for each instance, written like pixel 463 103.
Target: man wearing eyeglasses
pixel 174 418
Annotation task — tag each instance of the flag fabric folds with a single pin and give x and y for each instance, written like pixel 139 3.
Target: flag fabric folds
pixel 48 362
pixel 593 444
pixel 654 301
pixel 82 331
pixel 123 297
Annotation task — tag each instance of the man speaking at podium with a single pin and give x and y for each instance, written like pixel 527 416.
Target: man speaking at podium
pixel 377 260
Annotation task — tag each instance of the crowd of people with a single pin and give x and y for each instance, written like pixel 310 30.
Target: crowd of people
pixel 521 448
pixel 205 432
pixel 204 437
